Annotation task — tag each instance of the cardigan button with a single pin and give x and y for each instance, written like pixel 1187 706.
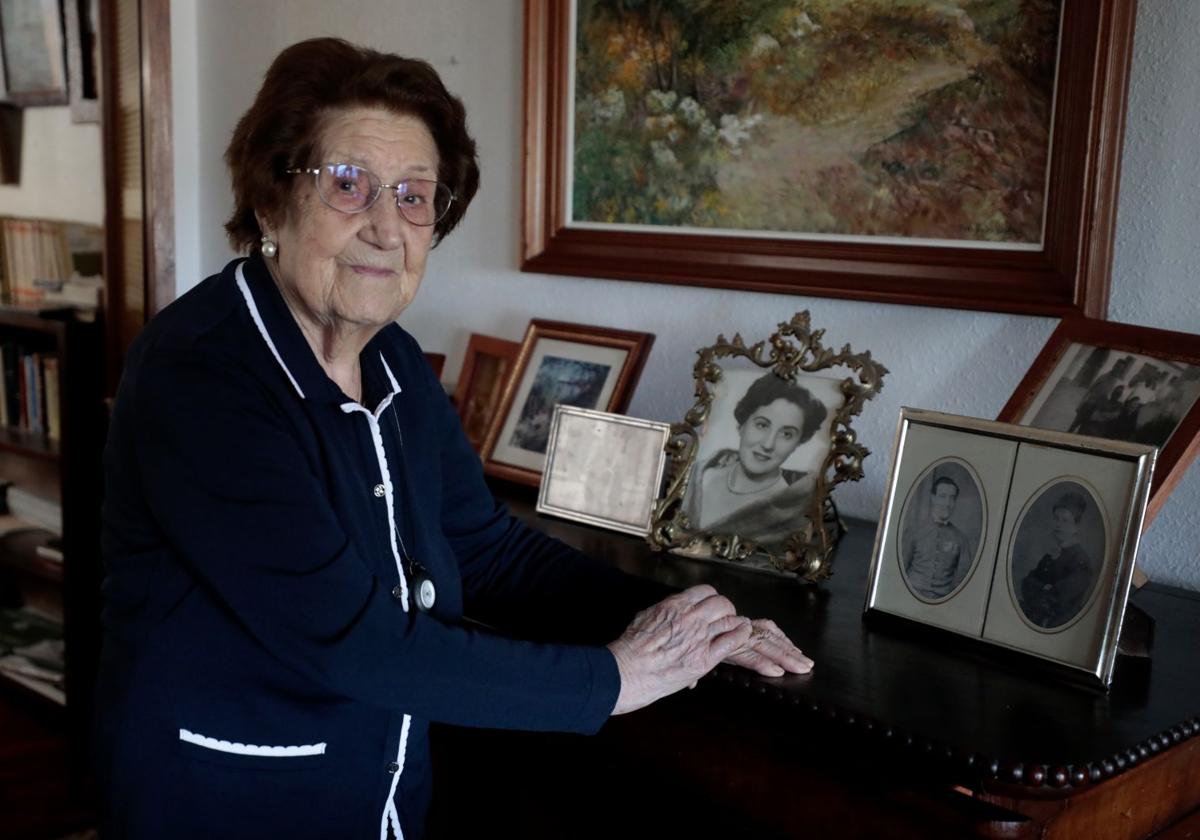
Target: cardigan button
pixel 379 491
pixel 393 767
pixel 397 592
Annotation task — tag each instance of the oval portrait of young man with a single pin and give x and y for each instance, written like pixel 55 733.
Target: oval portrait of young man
pixel 941 530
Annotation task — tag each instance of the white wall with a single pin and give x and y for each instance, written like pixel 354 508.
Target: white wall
pixel 962 362
pixel 62 169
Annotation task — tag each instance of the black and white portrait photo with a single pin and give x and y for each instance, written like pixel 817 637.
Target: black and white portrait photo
pixel 941 530
pixel 760 454
pixel 1057 553
pixel 1115 394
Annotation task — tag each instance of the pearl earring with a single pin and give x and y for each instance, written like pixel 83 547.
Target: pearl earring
pixel 269 248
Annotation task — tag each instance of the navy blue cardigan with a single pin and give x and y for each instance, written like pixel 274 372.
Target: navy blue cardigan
pixel 264 672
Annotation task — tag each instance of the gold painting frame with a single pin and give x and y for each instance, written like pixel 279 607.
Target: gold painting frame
pixel 794 350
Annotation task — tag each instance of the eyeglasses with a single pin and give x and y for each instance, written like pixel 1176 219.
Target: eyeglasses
pixel 352 189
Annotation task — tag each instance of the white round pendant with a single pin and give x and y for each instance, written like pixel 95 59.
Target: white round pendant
pixel 426 594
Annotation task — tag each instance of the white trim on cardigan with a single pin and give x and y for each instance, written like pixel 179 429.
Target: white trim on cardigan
pixel 258 322
pixel 250 749
pixel 389 810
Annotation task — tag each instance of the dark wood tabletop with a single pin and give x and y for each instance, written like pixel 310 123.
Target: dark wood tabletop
pixel 981 711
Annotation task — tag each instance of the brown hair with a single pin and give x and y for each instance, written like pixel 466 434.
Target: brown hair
pixel 770 387
pixel 307 82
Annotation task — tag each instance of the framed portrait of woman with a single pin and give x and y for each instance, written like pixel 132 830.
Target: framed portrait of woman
pixel 761 451
pixel 753 461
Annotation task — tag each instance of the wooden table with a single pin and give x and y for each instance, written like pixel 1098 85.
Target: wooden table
pixel 898 732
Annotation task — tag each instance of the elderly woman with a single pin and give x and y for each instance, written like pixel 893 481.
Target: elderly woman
pixel 295 525
pixel 746 491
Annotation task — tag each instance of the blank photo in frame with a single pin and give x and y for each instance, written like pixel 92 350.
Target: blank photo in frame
pixel 1058 519
pixel 603 469
pixel 559 363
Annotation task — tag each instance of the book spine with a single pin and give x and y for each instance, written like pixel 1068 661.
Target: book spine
pixel 39 391
pixel 10 260
pixel 12 384
pixel 5 273
pixel 4 421
pixel 23 378
pixel 50 380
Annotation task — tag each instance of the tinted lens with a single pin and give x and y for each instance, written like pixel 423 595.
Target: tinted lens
pixel 422 202
pixel 345 187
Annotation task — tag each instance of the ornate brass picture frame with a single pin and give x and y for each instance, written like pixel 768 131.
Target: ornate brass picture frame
pixel 796 542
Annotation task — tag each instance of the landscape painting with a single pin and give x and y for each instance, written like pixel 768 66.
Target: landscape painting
pixel 884 120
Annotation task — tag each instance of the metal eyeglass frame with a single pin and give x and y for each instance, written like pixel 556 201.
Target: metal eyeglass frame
pixel 316 173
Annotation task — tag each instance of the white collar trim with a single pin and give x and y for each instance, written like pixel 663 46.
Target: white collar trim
pixel 262 329
pixel 256 316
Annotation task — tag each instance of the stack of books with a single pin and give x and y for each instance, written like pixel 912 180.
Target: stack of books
pixel 31 651
pixel 50 262
pixel 28 510
pixel 29 390
pixel 31 637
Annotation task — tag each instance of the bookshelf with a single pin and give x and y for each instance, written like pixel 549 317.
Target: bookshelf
pixel 50 583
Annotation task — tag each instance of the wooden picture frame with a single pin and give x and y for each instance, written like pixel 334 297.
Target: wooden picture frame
pixel 12 125
pixel 81 20
pixel 1068 274
pixel 1043 559
pixel 603 364
pixel 485 370
pixel 1155 354
pixel 436 362
pixel 34 52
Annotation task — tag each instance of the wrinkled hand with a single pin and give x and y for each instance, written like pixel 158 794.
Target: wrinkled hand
pixel 769 652
pixel 674 643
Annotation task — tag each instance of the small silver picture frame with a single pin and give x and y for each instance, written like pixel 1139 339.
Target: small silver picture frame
pixel 1019 537
pixel 603 469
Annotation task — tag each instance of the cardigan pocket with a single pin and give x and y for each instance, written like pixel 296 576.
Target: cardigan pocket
pixel 249 756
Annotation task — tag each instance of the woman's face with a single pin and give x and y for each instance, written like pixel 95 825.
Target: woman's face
pixel 359 269
pixel 769 436
pixel 1065 526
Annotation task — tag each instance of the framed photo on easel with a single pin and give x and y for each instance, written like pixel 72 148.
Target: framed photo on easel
pixel 754 460
pixel 485 371
pixel 603 469
pixel 559 363
pixel 1121 382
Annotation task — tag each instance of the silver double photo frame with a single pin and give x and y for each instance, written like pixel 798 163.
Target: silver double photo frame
pixel 1019 537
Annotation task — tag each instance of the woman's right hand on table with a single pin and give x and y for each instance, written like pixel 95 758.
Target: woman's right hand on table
pixel 674 643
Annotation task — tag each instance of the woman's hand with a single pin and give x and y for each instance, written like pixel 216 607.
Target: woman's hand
pixel 674 643
pixel 769 652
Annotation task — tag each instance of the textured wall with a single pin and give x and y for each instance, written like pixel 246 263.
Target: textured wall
pixel 1157 256
pixel 954 361
pixel 62 172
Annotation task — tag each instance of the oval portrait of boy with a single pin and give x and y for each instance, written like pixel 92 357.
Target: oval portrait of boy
pixel 1058 549
pixel 941 530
